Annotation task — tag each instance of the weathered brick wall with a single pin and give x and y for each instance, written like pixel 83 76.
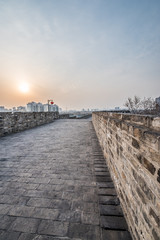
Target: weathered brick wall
pixel 131 146
pixel 16 122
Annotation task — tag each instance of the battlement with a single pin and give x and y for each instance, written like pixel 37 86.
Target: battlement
pixel 16 122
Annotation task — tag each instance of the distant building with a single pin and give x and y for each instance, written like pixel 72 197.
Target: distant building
pixel 46 107
pixel 40 107
pixel 14 109
pixel 32 107
pixel 21 109
pixel 54 108
pixel 2 109
pixel 50 108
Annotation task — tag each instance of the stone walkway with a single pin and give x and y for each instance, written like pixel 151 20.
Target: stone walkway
pixel 54 184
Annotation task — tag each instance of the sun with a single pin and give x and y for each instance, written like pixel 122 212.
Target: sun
pixel 24 87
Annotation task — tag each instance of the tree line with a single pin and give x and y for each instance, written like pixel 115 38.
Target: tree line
pixel 143 106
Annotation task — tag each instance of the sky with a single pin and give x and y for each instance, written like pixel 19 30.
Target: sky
pixel 80 53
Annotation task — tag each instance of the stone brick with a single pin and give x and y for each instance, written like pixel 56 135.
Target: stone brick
pixel 105 184
pixel 55 228
pixel 107 191
pixel 146 190
pixel 110 200
pixel 146 219
pixel 103 179
pixel 10 236
pixel 110 210
pixel 155 217
pixel 28 225
pixel 135 143
pixel 115 235
pixel 112 222
pixel 22 211
pixel 5 221
pixel 26 236
pixel 140 194
pixel 39 202
pixel 158 178
pixel 4 208
pixel 45 213
pixel 148 165
pixel 70 216
pixel 100 169
pixel 155 235
pixel 90 218
pixel 83 231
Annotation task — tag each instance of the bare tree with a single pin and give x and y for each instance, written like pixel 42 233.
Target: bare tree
pixel 133 104
pixel 148 104
pixel 136 105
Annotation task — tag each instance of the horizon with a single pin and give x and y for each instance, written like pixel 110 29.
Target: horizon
pixel 82 54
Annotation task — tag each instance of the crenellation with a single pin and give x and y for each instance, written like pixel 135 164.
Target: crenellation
pixel 19 121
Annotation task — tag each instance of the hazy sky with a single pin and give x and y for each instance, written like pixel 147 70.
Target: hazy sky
pixel 81 53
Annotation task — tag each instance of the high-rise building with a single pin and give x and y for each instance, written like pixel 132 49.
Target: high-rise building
pixel 32 107
pixel 40 107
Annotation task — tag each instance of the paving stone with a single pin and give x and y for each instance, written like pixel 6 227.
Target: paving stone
pixel 26 236
pixel 103 179
pixel 85 206
pixel 39 202
pixel 103 174
pixel 2 190
pixel 5 221
pixel 70 216
pixel 4 208
pixel 15 192
pixel 90 218
pixel 110 210
pixel 54 190
pixel 28 225
pixel 115 235
pixel 101 169
pixel 9 236
pixel 22 211
pixel 105 184
pixel 98 165
pixel 55 228
pixel 52 194
pixel 85 232
pixel 107 191
pixel 61 204
pixel 110 200
pixel 45 213
pixel 112 222
pixel 93 197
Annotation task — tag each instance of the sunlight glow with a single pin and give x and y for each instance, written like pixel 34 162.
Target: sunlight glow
pixel 24 87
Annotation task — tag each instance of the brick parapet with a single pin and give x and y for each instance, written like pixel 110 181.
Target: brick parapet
pixel 16 122
pixel 131 146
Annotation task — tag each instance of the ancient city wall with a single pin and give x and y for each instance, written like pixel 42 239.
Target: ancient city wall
pixel 131 146
pixel 16 122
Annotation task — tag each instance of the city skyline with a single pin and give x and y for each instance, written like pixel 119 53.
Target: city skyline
pixel 81 54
